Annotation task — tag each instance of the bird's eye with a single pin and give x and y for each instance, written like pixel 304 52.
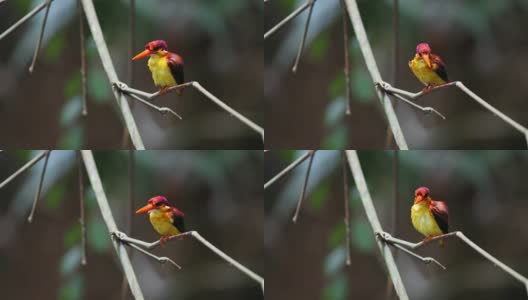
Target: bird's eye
pixel 158 204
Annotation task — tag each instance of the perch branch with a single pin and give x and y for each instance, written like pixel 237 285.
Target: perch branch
pixel 288 168
pixel 106 212
pixel 395 91
pixel 24 19
pixel 305 33
pixel 370 210
pixel 305 184
pixel 290 17
pixel 123 237
pixel 39 42
pixel 361 35
pixel 387 238
pixel 197 86
pixel 102 48
pixel 39 189
pixel 24 168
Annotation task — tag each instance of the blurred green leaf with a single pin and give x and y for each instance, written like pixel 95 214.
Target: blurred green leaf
pixel 97 235
pixel 72 235
pixel 55 47
pixel 334 261
pixel 71 110
pixel 54 196
pixel 362 237
pixel 319 47
pixel 73 86
pixel 72 138
pixel 337 235
pixel 70 261
pixel 98 87
pixel 72 289
pixel 337 86
pixel 362 86
pixel 337 289
pixel 337 139
pixel 319 195
pixel 335 111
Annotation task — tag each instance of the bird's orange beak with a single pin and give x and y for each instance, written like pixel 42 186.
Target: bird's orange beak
pixel 145 208
pixel 143 54
pixel 427 60
pixel 418 199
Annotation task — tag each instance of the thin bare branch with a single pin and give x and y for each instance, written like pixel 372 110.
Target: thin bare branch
pixel 389 239
pixel 102 201
pixel 102 48
pixel 425 260
pixel 130 204
pixel 84 90
pixel 39 189
pixel 24 19
pixel 290 17
pixel 24 168
pixel 425 109
pixel 346 195
pixel 290 167
pixel 372 67
pixel 395 91
pixel 303 40
pixel 124 238
pixel 39 42
pixel 305 184
pixel 370 210
pixel 82 218
pixel 161 259
pixel 163 110
pixel 346 46
pixel 197 86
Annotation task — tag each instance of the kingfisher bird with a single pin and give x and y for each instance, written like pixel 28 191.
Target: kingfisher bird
pixel 166 219
pixel 429 217
pixel 166 67
pixel 428 68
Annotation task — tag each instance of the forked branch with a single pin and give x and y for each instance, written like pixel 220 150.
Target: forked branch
pixel 290 167
pixel 24 168
pixel 24 19
pixel 389 239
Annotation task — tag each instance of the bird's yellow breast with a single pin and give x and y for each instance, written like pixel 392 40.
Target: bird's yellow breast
pixel 425 74
pixel 423 220
pixel 161 73
pixel 162 222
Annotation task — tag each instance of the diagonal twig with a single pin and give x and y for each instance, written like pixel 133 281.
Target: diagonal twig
pixel 425 109
pixel 24 19
pixel 24 168
pixel 395 91
pixel 388 238
pixel 425 260
pixel 290 17
pixel 124 238
pixel 163 110
pixel 39 42
pixel 372 216
pixel 305 33
pixel 290 167
pixel 347 208
pixel 305 184
pixel 161 259
pixel 39 189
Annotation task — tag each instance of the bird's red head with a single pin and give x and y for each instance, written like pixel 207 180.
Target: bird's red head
pixel 154 203
pixel 424 51
pixel 421 193
pixel 153 47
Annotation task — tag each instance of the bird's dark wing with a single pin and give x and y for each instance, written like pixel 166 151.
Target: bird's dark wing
pixel 439 67
pixel 177 219
pixel 440 214
pixel 175 63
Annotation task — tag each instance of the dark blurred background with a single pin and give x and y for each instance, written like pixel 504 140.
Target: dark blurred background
pixel 486 194
pixel 219 191
pixel 220 42
pixel 483 44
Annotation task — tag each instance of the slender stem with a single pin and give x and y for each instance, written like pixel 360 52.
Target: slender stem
pixel 39 189
pixel 394 208
pixel 425 260
pixel 39 42
pixel 387 238
pixel 84 90
pixel 346 46
pixel 108 65
pixel 24 19
pixel 160 259
pixel 425 109
pixel 130 206
pixel 290 17
pixel 290 167
pixel 347 208
pixel 305 184
pixel 24 168
pixel 366 199
pixel 124 238
pixel 163 110
pixel 303 40
pixel 82 218
pixel 102 201
pixel 372 67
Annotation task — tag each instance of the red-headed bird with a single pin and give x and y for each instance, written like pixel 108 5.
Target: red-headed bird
pixel 427 67
pixel 429 217
pixel 166 67
pixel 166 219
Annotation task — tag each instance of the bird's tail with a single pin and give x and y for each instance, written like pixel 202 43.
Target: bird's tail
pixel 442 243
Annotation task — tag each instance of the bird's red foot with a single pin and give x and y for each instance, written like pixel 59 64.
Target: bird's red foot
pixel 163 90
pixel 164 239
pixel 427 89
pixel 427 239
